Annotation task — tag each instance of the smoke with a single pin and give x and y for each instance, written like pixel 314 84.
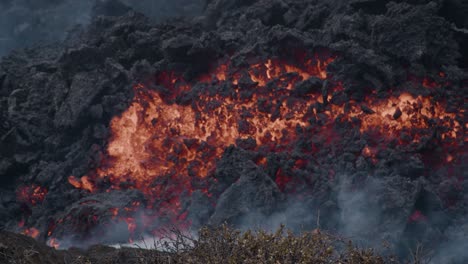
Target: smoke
pixel 109 230
pixel 359 213
pixel 452 252
pixel 24 23
pixel 356 211
pixel 374 205
pixel 296 217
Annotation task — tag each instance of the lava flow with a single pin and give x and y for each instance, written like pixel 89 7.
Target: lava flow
pixel 173 134
pixel 31 195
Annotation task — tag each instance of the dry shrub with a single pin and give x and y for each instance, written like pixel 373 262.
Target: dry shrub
pixel 226 245
pixel 211 246
pixel 18 249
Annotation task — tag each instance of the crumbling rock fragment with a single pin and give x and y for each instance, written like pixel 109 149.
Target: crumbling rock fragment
pixel 308 86
pixel 177 48
pixel 92 213
pixel 200 209
pixel 409 37
pixel 253 193
pixel 83 90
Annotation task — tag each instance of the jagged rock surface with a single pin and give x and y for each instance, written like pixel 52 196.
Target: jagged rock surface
pixel 56 103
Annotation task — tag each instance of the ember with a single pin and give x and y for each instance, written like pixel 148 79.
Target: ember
pixel 53 243
pixel 31 232
pixel 31 195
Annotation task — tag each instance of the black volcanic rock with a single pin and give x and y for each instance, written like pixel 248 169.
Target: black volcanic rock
pixel 200 209
pixel 308 86
pixel 177 48
pixel 83 90
pixel 56 103
pixel 78 218
pixel 254 193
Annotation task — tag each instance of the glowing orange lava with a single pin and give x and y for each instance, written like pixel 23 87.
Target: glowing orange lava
pixel 153 138
pixel 31 195
pixel 53 243
pixel 160 145
pixel 396 114
pixel 31 232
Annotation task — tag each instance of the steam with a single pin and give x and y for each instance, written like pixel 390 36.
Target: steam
pixel 357 212
pixel 452 252
pixel 24 23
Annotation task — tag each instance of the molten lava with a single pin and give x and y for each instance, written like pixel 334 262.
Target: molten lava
pixel 406 112
pixel 53 242
pixel 172 135
pixel 31 195
pixel 31 232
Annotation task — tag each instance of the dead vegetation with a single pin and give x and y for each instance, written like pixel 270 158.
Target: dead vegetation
pixel 212 245
pixel 226 245
pixel 19 249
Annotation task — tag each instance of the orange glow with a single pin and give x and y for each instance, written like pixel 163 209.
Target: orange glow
pixel 366 152
pixel 83 183
pixel 53 243
pixel 155 138
pixel 261 161
pixel 161 146
pixel 428 83
pixel 262 73
pixel 414 112
pixel 32 195
pixel 31 232
pixel 449 158
pixel 131 224
pixel 75 182
pixel 114 212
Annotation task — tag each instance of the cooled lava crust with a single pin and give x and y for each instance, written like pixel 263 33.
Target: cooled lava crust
pixel 255 113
